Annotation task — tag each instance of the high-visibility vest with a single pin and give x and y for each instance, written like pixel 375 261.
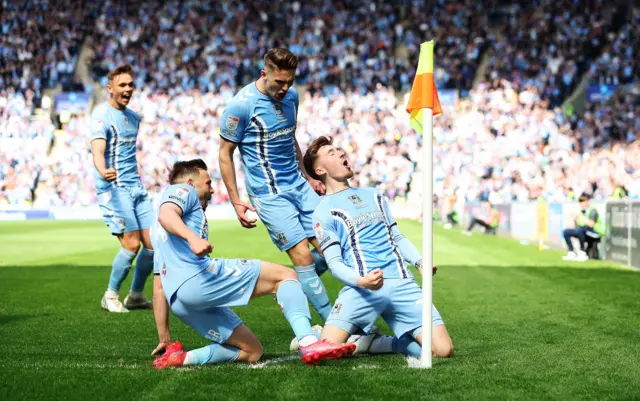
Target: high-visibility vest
pixel 598 227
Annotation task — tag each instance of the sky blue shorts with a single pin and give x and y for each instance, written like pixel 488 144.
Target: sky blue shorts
pixel 126 209
pixel 399 302
pixel 203 301
pixel 288 215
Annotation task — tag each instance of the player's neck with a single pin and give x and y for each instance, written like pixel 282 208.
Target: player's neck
pixel 333 186
pixel 115 104
pixel 260 86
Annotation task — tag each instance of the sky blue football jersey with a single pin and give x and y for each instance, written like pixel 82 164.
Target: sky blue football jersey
pixel 120 130
pixel 176 260
pixel 264 130
pixel 358 221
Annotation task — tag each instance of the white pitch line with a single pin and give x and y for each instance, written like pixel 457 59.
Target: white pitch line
pixel 260 365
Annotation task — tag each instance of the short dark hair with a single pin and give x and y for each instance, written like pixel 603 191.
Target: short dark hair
pixel 584 198
pixel 311 155
pixel 185 168
pixel 280 58
pixel 123 69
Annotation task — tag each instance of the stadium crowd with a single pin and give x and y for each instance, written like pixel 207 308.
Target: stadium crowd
pixel 508 141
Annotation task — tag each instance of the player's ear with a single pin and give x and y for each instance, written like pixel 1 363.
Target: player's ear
pixel 263 73
pixel 190 181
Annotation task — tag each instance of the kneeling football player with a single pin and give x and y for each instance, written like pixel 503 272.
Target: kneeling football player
pixel 365 250
pixel 199 289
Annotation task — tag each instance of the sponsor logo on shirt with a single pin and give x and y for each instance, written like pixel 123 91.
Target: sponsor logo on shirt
pixel 318 230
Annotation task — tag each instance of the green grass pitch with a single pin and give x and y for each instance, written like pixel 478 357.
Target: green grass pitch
pixel 525 326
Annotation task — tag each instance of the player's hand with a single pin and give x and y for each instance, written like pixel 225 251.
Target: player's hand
pixel 241 210
pixel 162 346
pixel 201 247
pixel 109 174
pixel 372 281
pixel 419 267
pixel 317 186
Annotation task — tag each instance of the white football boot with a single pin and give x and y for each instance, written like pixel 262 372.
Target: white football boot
pixel 362 342
pixel 113 304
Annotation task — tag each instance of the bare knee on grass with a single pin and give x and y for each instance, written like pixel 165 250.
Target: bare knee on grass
pixel 250 347
pixel 441 343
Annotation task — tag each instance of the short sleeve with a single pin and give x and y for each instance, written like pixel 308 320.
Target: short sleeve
pixel 325 230
pixel 182 195
pixel 234 121
pixel 98 126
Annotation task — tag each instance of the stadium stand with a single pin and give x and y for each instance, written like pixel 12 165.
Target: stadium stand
pixel 506 138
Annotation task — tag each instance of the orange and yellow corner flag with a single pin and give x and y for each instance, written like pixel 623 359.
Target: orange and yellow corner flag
pixel 423 92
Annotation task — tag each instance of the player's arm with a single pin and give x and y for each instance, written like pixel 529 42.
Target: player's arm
pixel 317 186
pixel 170 218
pixel 332 251
pixel 161 315
pixel 234 123
pixel 99 146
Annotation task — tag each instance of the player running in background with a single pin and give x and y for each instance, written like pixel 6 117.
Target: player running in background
pixel 365 250
pixel 124 202
pixel 200 289
pixel 261 121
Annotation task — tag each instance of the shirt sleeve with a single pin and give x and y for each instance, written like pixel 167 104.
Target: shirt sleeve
pixel 332 250
pixel 182 195
pixel 234 122
pixel 98 126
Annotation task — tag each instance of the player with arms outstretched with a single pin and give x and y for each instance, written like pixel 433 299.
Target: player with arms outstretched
pixel 366 251
pixel 261 121
pixel 124 202
pixel 200 289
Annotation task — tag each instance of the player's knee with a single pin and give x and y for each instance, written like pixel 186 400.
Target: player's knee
pixel 288 274
pixel 255 353
pixel 443 348
pixel 131 244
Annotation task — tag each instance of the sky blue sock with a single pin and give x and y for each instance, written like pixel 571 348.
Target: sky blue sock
pixel 120 268
pixel 320 262
pixel 295 307
pixel 144 267
pixel 407 345
pixel 314 290
pixel 213 353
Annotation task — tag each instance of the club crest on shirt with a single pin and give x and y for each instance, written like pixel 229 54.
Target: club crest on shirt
pixel 232 123
pixel 355 199
pixel 336 308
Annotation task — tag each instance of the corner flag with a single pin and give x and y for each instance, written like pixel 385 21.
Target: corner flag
pixel 423 105
pixel 423 92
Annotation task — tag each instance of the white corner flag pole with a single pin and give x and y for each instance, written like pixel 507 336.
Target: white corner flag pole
pixel 427 236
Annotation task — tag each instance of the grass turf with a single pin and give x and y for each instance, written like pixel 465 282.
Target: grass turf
pixel 525 326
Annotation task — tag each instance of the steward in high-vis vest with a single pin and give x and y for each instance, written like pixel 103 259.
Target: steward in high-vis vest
pixel 589 224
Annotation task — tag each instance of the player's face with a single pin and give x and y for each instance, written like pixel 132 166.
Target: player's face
pixel 121 89
pixel 333 162
pixel 278 82
pixel 203 188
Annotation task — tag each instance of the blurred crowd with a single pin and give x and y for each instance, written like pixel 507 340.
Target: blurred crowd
pixel 508 140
